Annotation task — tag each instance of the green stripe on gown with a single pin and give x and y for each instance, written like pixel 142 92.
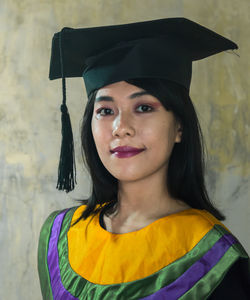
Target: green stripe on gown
pixel 81 288
pixel 42 256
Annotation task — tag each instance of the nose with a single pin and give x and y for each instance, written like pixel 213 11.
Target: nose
pixel 122 126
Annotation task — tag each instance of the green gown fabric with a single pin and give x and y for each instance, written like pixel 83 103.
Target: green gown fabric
pixel 217 267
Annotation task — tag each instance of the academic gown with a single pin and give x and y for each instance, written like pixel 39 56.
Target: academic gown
pixel 187 255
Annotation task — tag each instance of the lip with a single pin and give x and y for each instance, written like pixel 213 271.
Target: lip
pixel 126 149
pixel 127 153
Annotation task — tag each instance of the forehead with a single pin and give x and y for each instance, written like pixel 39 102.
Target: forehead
pixel 118 86
pixel 119 89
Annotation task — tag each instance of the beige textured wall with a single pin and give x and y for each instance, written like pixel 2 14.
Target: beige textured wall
pixel 30 117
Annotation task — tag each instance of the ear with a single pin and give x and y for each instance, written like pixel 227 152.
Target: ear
pixel 178 133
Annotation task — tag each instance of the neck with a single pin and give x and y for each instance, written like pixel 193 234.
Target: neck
pixel 144 200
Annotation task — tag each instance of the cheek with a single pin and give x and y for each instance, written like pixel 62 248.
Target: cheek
pixel 100 134
pixel 155 132
pixel 96 131
pixel 159 137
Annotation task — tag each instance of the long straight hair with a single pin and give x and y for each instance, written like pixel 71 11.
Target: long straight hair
pixel 185 174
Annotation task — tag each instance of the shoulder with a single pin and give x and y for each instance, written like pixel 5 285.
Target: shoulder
pixel 58 221
pixel 49 221
pixel 51 229
pixel 56 217
pixel 203 217
pixel 213 251
pixel 192 225
pixel 230 264
pixel 62 218
pixel 214 230
pixel 199 223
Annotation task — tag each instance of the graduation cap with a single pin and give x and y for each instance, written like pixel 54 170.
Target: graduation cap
pixel 163 48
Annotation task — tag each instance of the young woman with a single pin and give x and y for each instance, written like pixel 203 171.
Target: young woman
pixel 149 229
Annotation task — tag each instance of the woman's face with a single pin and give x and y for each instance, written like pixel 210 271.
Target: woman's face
pixel 125 115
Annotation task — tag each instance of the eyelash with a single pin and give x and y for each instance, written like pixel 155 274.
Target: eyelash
pixel 102 108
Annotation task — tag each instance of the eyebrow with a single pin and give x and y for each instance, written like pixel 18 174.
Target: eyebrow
pixel 132 96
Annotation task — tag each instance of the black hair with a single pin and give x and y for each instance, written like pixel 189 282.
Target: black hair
pixel 185 178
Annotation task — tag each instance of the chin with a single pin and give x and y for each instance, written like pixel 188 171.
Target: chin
pixel 130 175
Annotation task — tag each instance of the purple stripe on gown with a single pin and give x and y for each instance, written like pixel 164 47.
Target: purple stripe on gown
pixel 58 290
pixel 171 292
pixel 200 268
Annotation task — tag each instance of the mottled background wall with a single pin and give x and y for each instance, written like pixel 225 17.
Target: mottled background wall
pixel 30 117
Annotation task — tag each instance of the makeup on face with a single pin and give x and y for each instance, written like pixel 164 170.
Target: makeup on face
pixel 149 103
pixel 126 154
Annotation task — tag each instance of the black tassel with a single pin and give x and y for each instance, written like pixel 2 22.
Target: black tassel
pixel 66 169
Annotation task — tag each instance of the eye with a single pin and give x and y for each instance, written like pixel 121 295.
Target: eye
pixel 105 111
pixel 147 107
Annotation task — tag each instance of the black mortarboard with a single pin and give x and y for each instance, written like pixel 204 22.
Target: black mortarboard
pixel 163 48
